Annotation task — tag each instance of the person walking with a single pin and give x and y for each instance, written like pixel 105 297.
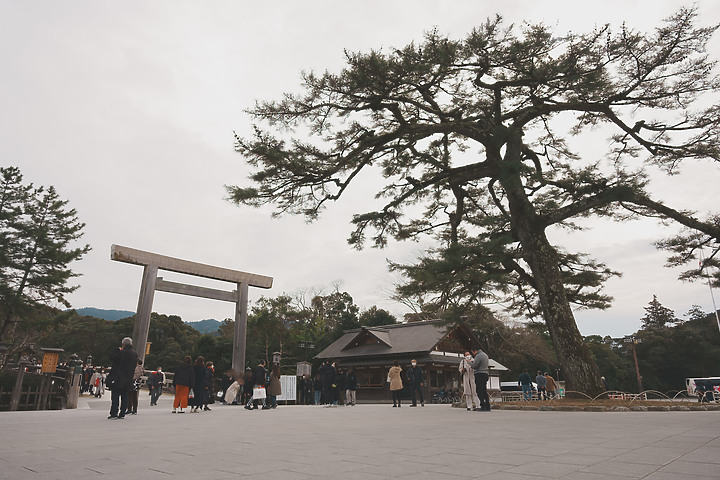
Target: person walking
pixel 123 360
pixel 415 380
pixel 305 390
pixel 96 382
pixel 341 387
pixel 317 389
pixel 541 382
pixel 469 388
pixel 481 372
pixel 550 385
pixel 525 382
pixel 183 380
pixel 351 394
pixel 208 394
pixel 247 386
pixel 329 374
pixel 134 395
pixel 260 382
pixel 396 385
pixel 198 387
pixel 274 387
pixel 155 384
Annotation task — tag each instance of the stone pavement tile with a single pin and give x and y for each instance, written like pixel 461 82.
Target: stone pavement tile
pixel 703 455
pixel 683 442
pixel 354 475
pixel 512 458
pixel 690 468
pixel 714 442
pixel 650 455
pixel 674 476
pixel 427 475
pixel 583 459
pixel 595 476
pixel 334 467
pixel 636 470
pixel 395 468
pixel 514 476
pixel 248 465
pixel 602 450
pixel 550 449
pixel 546 468
pixel 466 469
pixel 443 459
pixel 272 473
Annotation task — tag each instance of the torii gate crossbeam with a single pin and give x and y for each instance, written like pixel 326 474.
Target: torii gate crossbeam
pixel 153 262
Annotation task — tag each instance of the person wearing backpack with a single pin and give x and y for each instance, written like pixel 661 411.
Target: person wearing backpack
pixel 155 383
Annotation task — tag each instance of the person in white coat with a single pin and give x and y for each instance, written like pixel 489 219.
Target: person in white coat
pixel 469 382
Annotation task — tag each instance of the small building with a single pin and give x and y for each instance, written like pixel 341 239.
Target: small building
pixel 438 349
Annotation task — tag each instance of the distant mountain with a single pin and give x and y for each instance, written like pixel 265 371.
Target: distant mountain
pixel 111 315
pixel 208 326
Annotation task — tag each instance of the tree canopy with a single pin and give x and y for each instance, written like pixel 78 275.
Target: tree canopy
pixel 474 138
pixel 38 242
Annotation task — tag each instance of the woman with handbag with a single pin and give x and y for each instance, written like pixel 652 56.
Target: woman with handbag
pixel 135 388
pixel 396 385
pixel 183 380
pixel 198 399
pixel 274 387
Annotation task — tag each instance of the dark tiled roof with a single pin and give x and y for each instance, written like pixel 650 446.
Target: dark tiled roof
pixel 398 339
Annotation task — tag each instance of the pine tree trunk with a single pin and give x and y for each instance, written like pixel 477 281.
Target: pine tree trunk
pixel 579 368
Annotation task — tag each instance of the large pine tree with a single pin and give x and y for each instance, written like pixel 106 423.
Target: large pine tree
pixel 472 140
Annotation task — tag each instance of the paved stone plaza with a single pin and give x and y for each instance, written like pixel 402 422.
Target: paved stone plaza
pixel 363 442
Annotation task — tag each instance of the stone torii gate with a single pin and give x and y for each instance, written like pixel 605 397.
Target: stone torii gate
pixel 153 262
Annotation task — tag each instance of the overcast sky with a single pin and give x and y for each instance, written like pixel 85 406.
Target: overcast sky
pixel 128 109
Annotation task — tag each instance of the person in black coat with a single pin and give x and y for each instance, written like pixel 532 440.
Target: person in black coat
pixel 328 373
pixel 209 395
pixel 352 383
pixel 124 360
pixel 183 380
pixel 198 399
pixel 415 380
pixel 260 376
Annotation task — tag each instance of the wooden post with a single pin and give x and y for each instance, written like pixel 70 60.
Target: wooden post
pixel 15 397
pixel 239 343
pixel 142 317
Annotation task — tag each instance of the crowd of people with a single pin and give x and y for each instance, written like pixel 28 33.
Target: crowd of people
pixel 258 388
pixel 194 385
pixel 547 387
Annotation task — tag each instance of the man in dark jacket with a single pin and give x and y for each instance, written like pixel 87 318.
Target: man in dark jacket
pixel 124 360
pixel 415 379
pixel 328 373
pixel 155 383
pixel 525 382
pixel 259 380
pixel 481 371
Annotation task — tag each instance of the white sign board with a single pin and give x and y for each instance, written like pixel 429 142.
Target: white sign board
pixel 288 383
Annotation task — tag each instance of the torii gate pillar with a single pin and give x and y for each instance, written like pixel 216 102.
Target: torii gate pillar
pixel 153 262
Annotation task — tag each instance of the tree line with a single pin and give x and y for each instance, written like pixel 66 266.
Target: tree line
pixel 670 349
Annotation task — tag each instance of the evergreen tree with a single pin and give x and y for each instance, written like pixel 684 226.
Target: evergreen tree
pixel 38 236
pixel 468 138
pixel 657 316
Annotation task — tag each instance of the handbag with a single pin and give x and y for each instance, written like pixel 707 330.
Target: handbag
pixel 191 394
pixel 258 393
pixel 111 380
